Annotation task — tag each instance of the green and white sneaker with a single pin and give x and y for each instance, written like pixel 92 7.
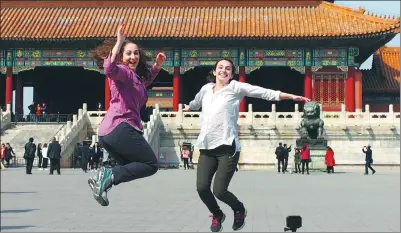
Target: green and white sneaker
pixel 102 185
pixel 92 182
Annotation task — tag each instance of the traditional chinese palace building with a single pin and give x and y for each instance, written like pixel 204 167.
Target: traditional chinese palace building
pixel 310 48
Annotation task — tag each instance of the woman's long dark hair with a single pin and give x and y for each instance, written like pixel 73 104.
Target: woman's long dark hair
pixel 104 49
pixel 212 78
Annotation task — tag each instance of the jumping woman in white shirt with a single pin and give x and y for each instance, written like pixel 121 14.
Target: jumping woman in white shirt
pixel 218 139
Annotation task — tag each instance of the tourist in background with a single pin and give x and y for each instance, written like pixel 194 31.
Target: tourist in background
pixel 305 158
pixel 43 109
pixel 329 160
pixel 297 160
pixel 121 131
pixel 29 155
pixel 9 153
pixel 45 161
pixel 85 157
pixel 3 152
pixel 280 157
pixel 368 159
pixel 54 154
pixel 96 155
pixel 76 156
pixel 286 151
pixel 185 156
pixel 32 112
pixel 39 113
pixel 218 139
pixel 40 156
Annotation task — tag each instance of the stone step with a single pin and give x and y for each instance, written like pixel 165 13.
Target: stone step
pixel 19 135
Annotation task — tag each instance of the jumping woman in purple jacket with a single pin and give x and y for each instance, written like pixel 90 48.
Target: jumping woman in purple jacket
pixel 120 132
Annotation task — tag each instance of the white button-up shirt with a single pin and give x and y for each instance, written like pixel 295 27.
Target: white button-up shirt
pixel 220 112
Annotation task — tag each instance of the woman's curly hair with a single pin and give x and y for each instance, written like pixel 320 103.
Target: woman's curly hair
pixel 104 49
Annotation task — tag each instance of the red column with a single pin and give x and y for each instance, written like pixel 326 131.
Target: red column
pixel 308 83
pixel 358 90
pixel 9 86
pixel 350 90
pixel 106 94
pixel 242 78
pixel 19 95
pixel 176 88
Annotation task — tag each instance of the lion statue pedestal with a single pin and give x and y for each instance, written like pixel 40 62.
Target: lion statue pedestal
pixel 312 134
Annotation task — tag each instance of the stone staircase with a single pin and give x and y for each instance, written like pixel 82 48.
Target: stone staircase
pixel 19 134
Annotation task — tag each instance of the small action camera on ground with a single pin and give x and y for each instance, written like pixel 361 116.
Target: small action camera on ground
pixel 293 223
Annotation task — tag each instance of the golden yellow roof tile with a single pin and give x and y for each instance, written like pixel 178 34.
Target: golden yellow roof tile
pixel 322 20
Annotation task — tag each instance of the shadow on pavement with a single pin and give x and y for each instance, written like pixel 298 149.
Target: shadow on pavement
pixel 15 227
pixel 16 192
pixel 17 211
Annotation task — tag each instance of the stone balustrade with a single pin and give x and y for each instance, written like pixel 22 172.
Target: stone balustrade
pixel 69 132
pixel 5 118
pixel 274 119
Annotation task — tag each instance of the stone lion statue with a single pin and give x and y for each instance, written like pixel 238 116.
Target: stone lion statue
pixel 311 124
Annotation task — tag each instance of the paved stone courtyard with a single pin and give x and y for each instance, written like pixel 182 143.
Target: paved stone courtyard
pixel 168 202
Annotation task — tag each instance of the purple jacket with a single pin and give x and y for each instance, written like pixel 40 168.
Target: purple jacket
pixel 128 95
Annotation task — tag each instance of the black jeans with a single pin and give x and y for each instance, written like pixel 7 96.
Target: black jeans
pixel 29 164
pixel 40 161
pixel 95 163
pixel 305 162
pixel 330 169
pixel 55 165
pixel 91 163
pixel 297 166
pixel 7 163
pixel 285 163
pixel 134 156
pixel 186 163
pixel 280 165
pixel 368 165
pixel 44 162
pixel 223 162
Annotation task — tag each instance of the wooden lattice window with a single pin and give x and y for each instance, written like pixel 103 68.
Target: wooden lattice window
pixel 329 89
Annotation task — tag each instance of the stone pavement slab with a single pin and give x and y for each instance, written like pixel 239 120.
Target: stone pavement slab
pixel 168 202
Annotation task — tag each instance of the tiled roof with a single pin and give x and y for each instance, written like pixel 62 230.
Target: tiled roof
pixel 163 102
pixel 385 73
pixel 269 21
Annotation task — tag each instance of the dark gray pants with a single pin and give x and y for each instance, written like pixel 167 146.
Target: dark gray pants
pixel 134 156
pixel 55 165
pixel 223 162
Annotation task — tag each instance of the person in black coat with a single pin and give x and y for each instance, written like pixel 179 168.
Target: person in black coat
pixel 40 156
pixel 76 156
pixel 96 155
pixel 85 156
pixel 368 160
pixel 280 157
pixel 286 151
pixel 54 154
pixel 29 155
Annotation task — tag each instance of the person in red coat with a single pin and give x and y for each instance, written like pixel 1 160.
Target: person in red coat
pixel 329 160
pixel 305 158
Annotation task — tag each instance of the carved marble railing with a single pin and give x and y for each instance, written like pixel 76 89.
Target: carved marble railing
pixel 275 119
pixel 152 130
pixel 5 118
pixel 72 129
